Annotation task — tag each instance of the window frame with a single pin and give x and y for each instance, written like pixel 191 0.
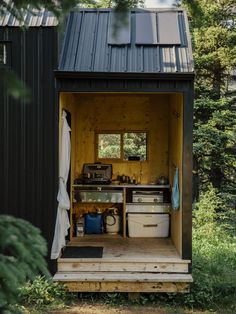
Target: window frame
pixel 8 52
pixel 121 159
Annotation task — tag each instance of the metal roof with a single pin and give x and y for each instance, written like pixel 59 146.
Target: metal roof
pixel 31 18
pixel 87 46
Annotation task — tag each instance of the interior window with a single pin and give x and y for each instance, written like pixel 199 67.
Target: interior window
pixel 135 146
pixel 122 145
pixel 109 146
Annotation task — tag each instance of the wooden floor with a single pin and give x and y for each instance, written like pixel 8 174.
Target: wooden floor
pixel 116 248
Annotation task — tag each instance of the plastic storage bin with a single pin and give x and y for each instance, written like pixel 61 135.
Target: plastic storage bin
pixel 148 225
pixel 101 197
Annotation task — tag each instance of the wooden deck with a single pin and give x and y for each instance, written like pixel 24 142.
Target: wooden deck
pixel 127 264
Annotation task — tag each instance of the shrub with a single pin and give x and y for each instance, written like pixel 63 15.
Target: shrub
pixel 22 251
pixel 214 254
pixel 214 260
pixel 43 293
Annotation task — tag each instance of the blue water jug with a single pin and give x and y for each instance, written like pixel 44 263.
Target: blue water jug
pixel 93 223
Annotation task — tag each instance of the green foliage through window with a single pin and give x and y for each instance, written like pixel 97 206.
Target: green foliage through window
pixel 123 145
pixel 135 145
pixel 109 146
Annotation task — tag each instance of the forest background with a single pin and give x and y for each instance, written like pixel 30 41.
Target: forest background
pixel 213 31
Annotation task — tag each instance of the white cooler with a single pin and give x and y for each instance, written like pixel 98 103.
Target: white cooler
pixel 148 225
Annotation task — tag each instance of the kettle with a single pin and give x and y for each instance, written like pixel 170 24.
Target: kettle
pixel 163 180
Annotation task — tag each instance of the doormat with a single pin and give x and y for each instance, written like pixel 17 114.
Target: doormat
pixel 82 252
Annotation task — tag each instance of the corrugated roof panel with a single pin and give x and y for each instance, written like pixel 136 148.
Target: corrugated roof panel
pixel 146 29
pixel 132 57
pixel 183 60
pixel 86 47
pixel 28 18
pixel 31 18
pixel 149 60
pixel 168 28
pixel 34 17
pixel 168 59
pixel 118 59
pixel 118 35
pixel 70 46
pixel 138 50
pixel 101 57
pixel 182 30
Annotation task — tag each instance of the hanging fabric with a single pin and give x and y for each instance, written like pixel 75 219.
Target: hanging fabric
pixel 175 197
pixel 62 220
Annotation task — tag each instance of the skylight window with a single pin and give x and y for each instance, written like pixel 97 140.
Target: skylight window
pixel 119 29
pixel 146 28
pixel 157 28
pixel 168 28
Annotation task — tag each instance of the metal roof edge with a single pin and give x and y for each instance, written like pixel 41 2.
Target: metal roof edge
pixel 26 27
pixel 190 51
pixel 129 10
pixel 121 75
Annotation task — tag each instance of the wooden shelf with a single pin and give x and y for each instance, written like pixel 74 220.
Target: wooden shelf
pixel 95 237
pixel 110 186
pixel 125 198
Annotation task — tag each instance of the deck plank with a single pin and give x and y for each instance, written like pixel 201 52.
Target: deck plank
pixel 84 266
pixel 122 277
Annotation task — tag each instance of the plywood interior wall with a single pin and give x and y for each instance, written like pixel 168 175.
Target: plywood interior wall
pixel 122 112
pixel 175 160
pixel 161 115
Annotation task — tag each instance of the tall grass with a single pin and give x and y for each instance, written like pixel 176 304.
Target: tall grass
pixel 214 254
pixel 214 257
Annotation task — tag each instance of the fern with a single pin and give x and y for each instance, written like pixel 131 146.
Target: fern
pixel 22 251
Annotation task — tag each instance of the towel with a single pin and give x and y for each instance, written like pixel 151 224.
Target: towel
pixel 175 190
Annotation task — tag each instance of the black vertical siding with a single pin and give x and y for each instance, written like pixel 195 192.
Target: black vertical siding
pixel 29 131
pixel 187 174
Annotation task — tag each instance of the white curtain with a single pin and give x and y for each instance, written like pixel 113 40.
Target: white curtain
pixel 62 220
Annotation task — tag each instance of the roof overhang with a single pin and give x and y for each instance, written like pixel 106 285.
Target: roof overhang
pixel 122 75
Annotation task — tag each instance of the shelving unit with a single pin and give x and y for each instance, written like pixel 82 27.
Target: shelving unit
pixel 88 198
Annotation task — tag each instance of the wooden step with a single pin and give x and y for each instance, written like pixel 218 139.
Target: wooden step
pixel 90 264
pixel 124 282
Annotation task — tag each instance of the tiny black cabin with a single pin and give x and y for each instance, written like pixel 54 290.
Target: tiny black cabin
pixel 128 97
pixel 29 130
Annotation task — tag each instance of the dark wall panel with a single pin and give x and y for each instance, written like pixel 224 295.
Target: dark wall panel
pixel 29 131
pixel 104 83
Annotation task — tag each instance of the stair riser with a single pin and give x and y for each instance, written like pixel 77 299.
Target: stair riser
pixel 126 266
pixel 128 286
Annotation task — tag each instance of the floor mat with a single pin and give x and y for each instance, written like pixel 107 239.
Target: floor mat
pixel 82 252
